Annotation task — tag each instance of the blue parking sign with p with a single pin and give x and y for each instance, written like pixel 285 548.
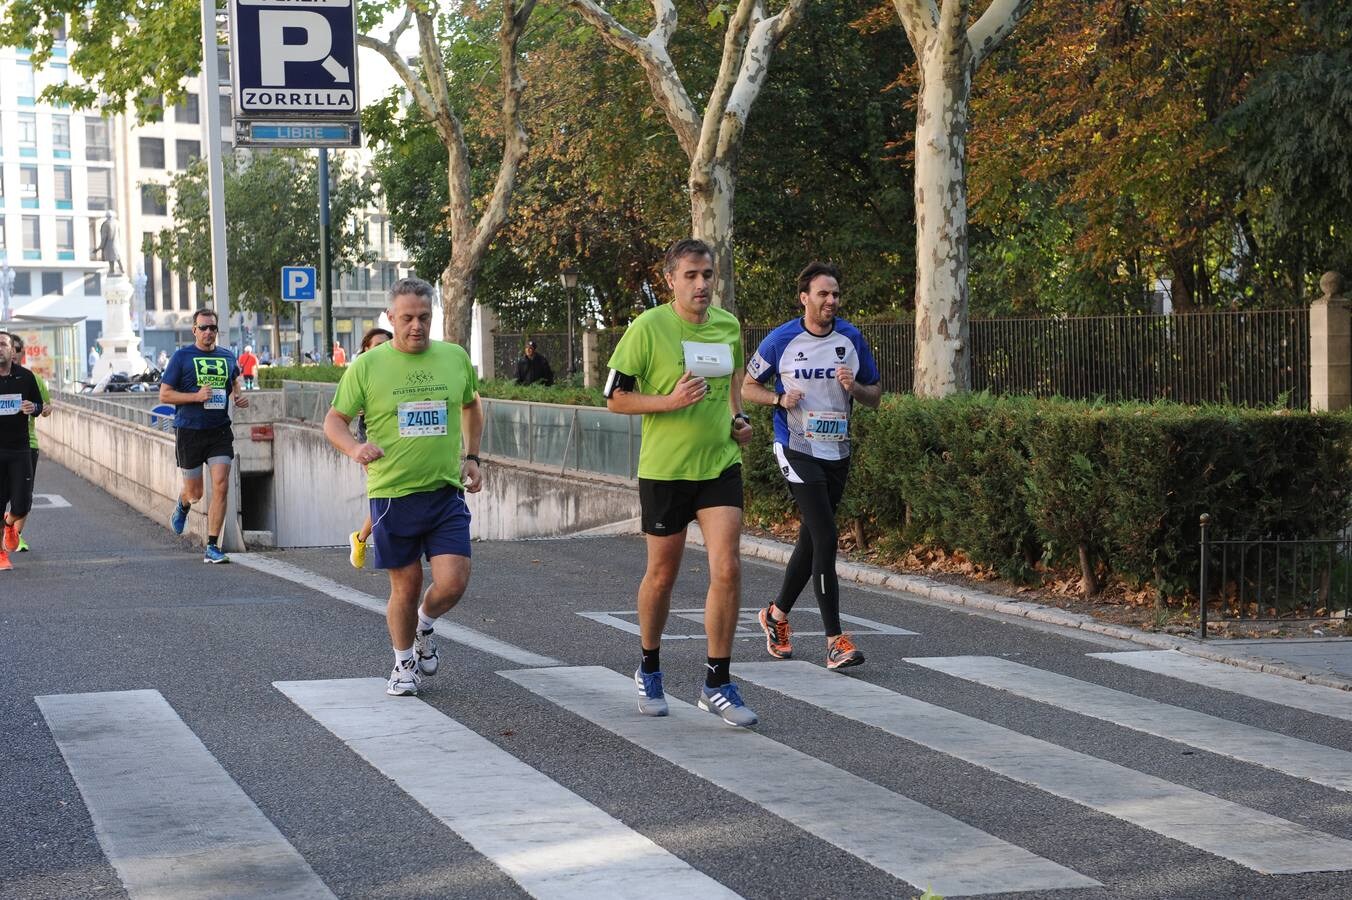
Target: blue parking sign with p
pixel 298 283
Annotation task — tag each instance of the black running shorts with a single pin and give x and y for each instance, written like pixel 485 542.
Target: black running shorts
pixel 198 446
pixel 669 506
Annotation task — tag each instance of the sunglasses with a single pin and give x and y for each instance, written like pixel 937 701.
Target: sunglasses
pixel 207 327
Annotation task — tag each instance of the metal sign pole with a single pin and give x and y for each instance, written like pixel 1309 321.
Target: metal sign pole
pixel 325 254
pixel 211 147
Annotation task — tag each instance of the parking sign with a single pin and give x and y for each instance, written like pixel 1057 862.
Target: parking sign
pixel 298 283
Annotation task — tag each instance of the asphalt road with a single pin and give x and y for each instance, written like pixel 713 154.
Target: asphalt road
pixel 842 790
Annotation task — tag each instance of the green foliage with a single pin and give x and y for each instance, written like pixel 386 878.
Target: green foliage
pixel 272 220
pixel 271 377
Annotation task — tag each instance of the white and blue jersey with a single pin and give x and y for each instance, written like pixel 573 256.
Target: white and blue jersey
pixel 795 358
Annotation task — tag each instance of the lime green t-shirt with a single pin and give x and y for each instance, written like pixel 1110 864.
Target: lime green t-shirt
pixel 694 443
pixel 33 420
pixel 412 403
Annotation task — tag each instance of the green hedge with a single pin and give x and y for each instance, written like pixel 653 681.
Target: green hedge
pixel 1015 481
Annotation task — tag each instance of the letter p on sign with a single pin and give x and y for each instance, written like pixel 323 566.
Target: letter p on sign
pixel 274 26
pixel 298 283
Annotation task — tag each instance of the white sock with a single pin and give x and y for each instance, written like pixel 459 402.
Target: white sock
pixel 404 658
pixel 425 622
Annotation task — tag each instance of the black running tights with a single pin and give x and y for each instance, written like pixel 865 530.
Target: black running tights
pixel 16 482
pixel 814 556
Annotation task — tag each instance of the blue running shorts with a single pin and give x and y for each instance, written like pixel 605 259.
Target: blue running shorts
pixel 431 523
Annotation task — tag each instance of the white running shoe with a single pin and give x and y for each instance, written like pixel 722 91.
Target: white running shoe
pixel 426 650
pixel 405 680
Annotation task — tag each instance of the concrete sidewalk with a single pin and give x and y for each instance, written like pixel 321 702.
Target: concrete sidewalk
pixel 1323 661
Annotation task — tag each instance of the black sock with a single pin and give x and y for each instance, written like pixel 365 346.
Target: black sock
pixel 652 660
pixel 211 540
pixel 717 672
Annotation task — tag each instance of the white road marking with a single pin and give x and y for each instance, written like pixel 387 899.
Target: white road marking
pixel 626 620
pixel 1257 746
pixel 1251 838
pixel 906 839
pixel 169 818
pixel 546 838
pixel 475 640
pixel 1315 698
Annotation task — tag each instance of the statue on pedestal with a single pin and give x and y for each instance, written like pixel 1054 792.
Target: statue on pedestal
pixel 110 236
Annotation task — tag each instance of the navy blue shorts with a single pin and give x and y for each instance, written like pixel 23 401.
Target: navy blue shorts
pixel 431 523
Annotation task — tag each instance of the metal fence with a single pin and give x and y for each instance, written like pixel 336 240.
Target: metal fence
pixel 1249 358
pixel 1273 579
pixel 135 408
pixel 569 438
pixel 508 348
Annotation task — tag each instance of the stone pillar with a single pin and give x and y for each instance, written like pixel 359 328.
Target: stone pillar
pixel 484 325
pixel 592 375
pixel 119 345
pixel 1330 347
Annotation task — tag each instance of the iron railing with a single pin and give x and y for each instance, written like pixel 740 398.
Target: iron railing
pixel 1273 579
pixel 134 408
pixel 508 348
pixel 1247 358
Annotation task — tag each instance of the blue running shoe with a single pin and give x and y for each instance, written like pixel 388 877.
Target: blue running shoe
pixel 726 703
pixel 214 555
pixel 179 520
pixel 652 701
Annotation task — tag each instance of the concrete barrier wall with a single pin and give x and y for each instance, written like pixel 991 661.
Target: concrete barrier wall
pixel 320 496
pixel 317 496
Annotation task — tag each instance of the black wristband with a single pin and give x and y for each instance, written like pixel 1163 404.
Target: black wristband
pixel 475 457
pixel 743 416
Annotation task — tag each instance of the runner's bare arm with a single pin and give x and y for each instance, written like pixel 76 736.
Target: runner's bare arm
pixel 868 394
pixel 240 399
pixel 178 398
pixel 756 392
pixel 337 428
pixel 741 425
pixel 689 390
pixel 472 430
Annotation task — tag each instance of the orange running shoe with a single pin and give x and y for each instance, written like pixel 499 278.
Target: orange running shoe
pixel 11 538
pixel 777 635
pixel 841 653
pixel 5 565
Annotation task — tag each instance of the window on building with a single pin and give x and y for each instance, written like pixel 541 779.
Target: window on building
pixel 2 236
pixel 187 152
pixel 100 188
pixel 65 237
pixel 26 87
pixel 28 134
pixel 23 284
pixel 151 106
pixel 153 200
pixel 28 185
pixel 152 153
pixel 167 284
pixel 98 147
pixel 62 187
pixel 93 284
pixel 184 292
pixel 186 111
pixel 61 136
pixel 58 73
pixel 59 31
pixel 32 234
pixel 226 113
pixel 52 283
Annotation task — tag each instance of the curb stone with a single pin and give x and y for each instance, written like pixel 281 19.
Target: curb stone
pixel 929 588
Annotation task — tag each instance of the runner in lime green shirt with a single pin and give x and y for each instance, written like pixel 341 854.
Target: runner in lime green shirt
pixel 680 367
pixel 421 400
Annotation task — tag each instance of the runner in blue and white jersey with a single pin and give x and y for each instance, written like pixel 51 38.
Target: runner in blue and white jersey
pixel 818 366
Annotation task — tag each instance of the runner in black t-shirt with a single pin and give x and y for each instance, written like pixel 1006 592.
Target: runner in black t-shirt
pixel 20 399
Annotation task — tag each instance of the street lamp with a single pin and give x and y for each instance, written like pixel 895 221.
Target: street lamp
pixel 139 283
pixel 6 291
pixel 568 278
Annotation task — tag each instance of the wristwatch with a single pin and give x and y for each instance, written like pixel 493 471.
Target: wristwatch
pixel 743 416
pixel 777 396
pixel 473 456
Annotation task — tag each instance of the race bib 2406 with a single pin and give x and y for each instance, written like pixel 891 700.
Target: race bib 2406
pixel 422 418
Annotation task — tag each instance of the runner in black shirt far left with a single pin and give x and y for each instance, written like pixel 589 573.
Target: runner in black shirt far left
pixel 20 400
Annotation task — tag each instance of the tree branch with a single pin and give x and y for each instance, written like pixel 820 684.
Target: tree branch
pixel 652 55
pixel 760 47
pixel 920 20
pixel 994 26
pixel 729 72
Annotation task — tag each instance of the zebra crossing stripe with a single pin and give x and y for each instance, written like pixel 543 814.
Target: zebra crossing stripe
pixel 475 640
pixel 1251 838
pixel 546 838
pixel 168 817
pixel 1288 755
pixel 1315 698
pixel 894 833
